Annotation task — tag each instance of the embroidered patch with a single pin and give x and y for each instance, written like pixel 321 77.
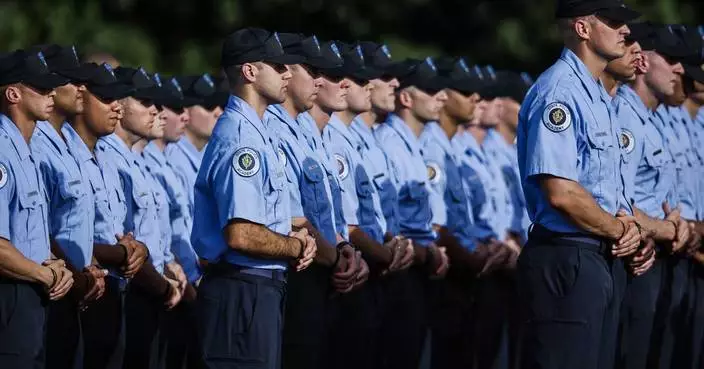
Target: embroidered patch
pixel 282 156
pixel 343 169
pixel 434 172
pixel 628 142
pixel 557 117
pixel 3 175
pixel 246 162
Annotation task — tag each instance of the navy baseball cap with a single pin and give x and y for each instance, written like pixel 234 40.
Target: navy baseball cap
pixel 104 84
pixel 422 74
pixel 29 68
pixel 64 62
pixel 250 45
pixel 353 66
pixel 172 94
pixel 143 86
pixel 614 10
pixel 311 50
pixel 200 90
pixel 458 76
pixel 377 57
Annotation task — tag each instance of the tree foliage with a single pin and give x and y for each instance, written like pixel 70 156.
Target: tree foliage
pixel 184 36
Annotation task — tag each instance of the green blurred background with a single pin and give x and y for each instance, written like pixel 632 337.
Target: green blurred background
pixel 184 36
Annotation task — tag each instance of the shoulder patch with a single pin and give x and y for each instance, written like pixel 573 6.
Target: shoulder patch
pixel 343 168
pixel 282 156
pixel 557 117
pixel 628 141
pixel 246 162
pixel 3 175
pixel 434 172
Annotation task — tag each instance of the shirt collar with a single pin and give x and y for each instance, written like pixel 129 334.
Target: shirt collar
pixel 153 150
pixel 635 102
pixel 7 125
pixel 593 87
pixel 398 125
pixel 279 112
pixel 434 130
pixel 337 124
pixel 120 146
pixel 190 150
pixel 78 148
pixel 237 105
pixel 365 133
pixel 48 130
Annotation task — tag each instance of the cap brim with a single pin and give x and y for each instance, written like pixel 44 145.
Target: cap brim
pixel 47 81
pixel 152 93
pixel 219 98
pixel 322 63
pixel 285 59
pixel 621 14
pixel 430 86
pixel 112 92
pixel 81 74
pixel 694 72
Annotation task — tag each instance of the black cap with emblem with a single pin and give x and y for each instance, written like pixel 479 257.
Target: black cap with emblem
pixel 311 50
pixel 422 74
pixel 613 10
pixel 144 88
pixel 29 68
pixel 201 90
pixel 250 45
pixel 458 75
pixel 172 93
pixel 353 66
pixel 64 62
pixel 378 56
pixel 104 84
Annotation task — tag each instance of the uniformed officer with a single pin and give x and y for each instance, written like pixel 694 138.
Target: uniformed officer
pixel 244 226
pixel 71 208
pixel 569 158
pixel 113 248
pixel 418 101
pixel 179 328
pixel 360 320
pixel 30 276
pixel 149 290
pixel 201 101
pixel 311 189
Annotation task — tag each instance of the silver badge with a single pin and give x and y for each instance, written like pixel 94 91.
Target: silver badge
pixel 3 175
pixel 40 55
pixel 343 169
pixel 463 65
pixel 434 172
pixel 628 141
pixel 385 50
pixel 208 80
pixel 557 117
pixel 282 156
pixel 359 52
pixel 334 49
pixel 316 42
pixel 177 86
pixel 246 162
pixel 430 63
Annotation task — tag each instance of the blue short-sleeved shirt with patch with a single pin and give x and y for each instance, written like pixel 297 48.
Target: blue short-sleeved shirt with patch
pixel 141 217
pixel 404 151
pixel 241 177
pixel 180 218
pixel 566 130
pixel 308 184
pixel 448 198
pixel 186 159
pixel 161 201
pixel 381 170
pixel 23 199
pixel 361 202
pixel 71 203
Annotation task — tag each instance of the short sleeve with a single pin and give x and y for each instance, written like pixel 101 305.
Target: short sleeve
pixel 552 139
pixel 7 189
pixel 238 184
pixel 348 187
pixel 435 165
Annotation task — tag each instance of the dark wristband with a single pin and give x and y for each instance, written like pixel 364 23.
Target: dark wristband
pixel 124 258
pixel 342 244
pixel 54 277
pixel 303 249
pixel 338 254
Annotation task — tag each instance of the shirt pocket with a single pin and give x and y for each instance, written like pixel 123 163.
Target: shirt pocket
pixel 314 196
pixel 31 218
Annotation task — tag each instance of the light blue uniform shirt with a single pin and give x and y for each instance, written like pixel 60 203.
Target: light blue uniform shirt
pixel 315 140
pixel 141 217
pixel 565 130
pixel 161 201
pixel 686 193
pixel 479 184
pixel 648 165
pixel 186 159
pixel 508 219
pixel 383 173
pixel 685 128
pixel 241 177
pixel 448 199
pixel 308 184
pixel 180 218
pixel 71 203
pixel 23 199
pixel 360 201
pixel 403 149
pixel 109 199
pixel 506 156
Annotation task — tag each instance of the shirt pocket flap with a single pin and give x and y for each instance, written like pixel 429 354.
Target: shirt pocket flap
pixel 312 172
pixel 72 189
pixel 656 158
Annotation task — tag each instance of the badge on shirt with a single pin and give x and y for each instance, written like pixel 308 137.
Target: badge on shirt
pixel 434 173
pixel 343 169
pixel 557 117
pixel 628 142
pixel 3 175
pixel 282 156
pixel 246 162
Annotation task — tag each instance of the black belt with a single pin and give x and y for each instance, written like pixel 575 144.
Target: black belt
pixel 224 269
pixel 582 240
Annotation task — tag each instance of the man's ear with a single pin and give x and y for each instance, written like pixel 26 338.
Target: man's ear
pixel 13 95
pixel 249 72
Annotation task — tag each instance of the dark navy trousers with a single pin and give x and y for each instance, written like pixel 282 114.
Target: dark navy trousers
pixel 23 310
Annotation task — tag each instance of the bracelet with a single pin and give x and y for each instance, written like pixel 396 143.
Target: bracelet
pixel 640 229
pixel 337 258
pixel 624 230
pixel 55 278
pixel 303 249
pixel 674 224
pixel 342 244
